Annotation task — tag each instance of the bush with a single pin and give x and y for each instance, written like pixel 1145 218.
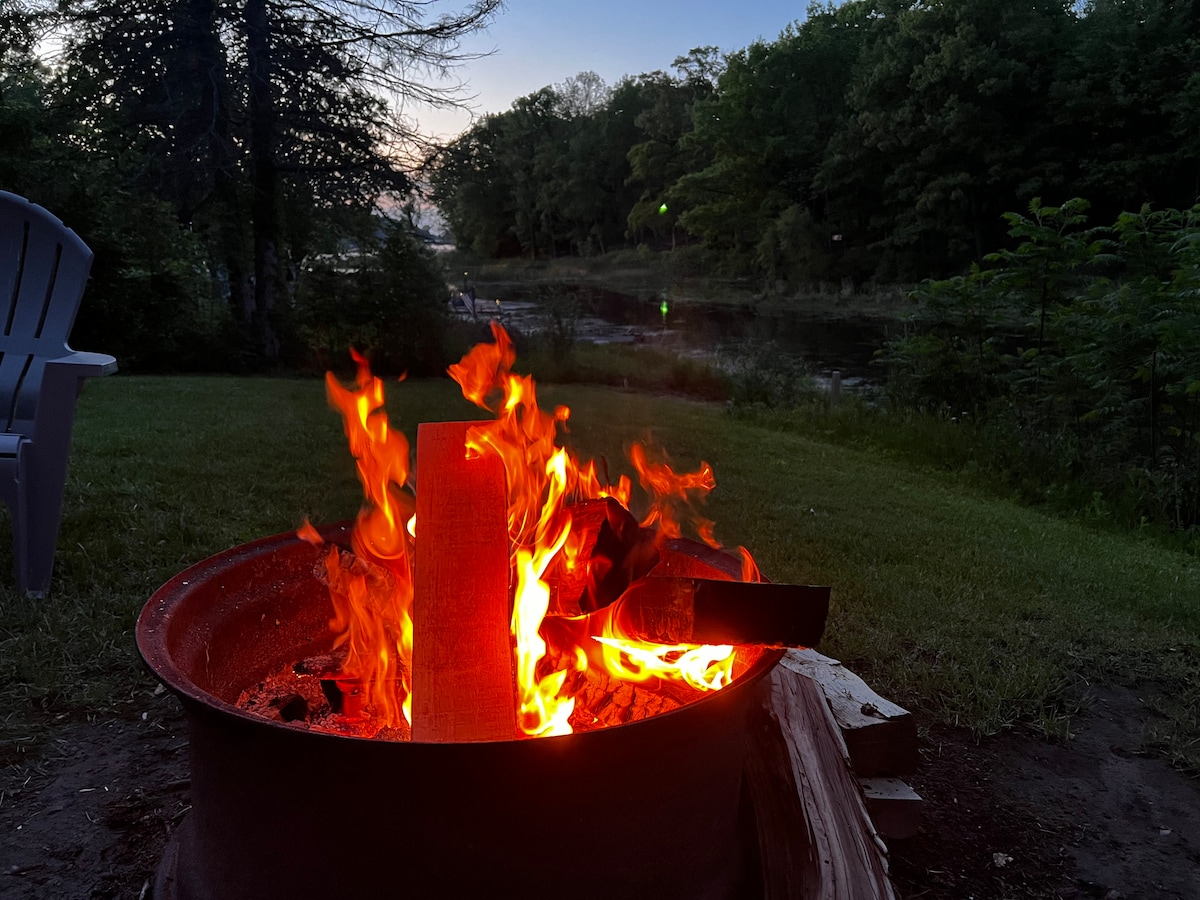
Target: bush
pixel 1083 346
pixel 760 374
pixel 388 302
pixel 150 300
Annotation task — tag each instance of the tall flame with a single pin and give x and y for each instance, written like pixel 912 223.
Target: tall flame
pixel 542 479
pixel 373 603
pixel 671 492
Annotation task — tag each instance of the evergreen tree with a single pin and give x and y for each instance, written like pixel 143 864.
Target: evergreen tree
pixel 236 110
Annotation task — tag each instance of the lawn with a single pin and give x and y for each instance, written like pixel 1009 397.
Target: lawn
pixel 971 610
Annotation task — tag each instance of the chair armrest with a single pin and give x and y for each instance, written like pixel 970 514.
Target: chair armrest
pixel 62 382
pixel 83 364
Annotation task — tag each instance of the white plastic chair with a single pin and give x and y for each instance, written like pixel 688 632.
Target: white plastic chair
pixel 43 270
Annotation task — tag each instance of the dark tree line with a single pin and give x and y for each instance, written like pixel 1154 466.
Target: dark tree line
pixel 211 150
pixel 576 168
pixel 1076 353
pixel 878 139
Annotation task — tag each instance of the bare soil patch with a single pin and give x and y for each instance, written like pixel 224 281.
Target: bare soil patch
pixel 1016 816
pixel 87 814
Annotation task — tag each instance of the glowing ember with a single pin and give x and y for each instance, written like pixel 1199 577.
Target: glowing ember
pixel 556 653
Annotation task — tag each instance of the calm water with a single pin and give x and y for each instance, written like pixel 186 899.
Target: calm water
pixel 604 316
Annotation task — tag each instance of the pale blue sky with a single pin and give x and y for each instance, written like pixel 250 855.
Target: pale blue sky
pixel 541 42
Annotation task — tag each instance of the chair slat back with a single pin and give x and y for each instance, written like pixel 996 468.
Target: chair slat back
pixel 44 268
pixel 20 378
pixel 14 234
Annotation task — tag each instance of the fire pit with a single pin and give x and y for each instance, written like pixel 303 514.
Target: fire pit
pixel 465 805
pixel 649 809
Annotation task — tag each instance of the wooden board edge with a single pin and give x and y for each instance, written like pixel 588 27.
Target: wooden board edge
pixel 832 849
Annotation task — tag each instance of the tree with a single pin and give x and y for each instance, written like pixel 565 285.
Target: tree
pixel 547 176
pixel 1129 93
pixel 473 190
pixel 581 95
pixel 765 129
pixel 386 299
pixel 596 192
pixel 945 127
pixel 877 139
pixel 1080 348
pixel 23 141
pixel 242 108
pixel 664 155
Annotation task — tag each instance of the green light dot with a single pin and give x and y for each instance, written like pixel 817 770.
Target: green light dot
pixel 663 308
pixel 662 210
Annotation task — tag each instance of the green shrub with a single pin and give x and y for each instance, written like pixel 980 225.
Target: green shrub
pixel 1081 347
pixel 389 303
pixel 152 300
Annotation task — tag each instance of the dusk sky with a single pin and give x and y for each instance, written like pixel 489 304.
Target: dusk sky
pixel 543 42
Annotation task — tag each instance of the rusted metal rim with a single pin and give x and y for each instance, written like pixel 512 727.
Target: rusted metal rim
pixel 181 621
pixel 177 622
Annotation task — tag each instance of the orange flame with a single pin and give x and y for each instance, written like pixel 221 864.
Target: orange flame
pixel 373 603
pixel 542 478
pixel 706 668
pixel 672 492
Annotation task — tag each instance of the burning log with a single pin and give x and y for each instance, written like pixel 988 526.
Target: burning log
pixel 687 559
pixel 671 610
pixel 463 683
pixel 610 552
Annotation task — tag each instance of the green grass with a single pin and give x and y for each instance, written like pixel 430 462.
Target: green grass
pixel 985 456
pixel 974 610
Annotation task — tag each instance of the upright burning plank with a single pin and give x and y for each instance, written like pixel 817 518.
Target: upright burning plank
pixel 463 688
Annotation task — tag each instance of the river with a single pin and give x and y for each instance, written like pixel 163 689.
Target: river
pixel 696 328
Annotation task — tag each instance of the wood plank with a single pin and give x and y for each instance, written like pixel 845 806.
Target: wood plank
pixel 881 737
pixel 895 808
pixel 848 852
pixel 463 684
pixel 787 859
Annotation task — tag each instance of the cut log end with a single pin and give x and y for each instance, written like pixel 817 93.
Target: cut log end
pixel 674 610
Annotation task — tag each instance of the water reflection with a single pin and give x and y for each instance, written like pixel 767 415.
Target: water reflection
pixel 604 316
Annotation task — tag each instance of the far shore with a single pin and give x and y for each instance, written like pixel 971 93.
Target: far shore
pixel 653 276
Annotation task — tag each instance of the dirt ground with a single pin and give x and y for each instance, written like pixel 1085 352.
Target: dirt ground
pixel 87 814
pixel 1018 817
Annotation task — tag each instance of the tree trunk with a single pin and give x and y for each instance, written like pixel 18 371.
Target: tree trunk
pixel 196 73
pixel 1154 408
pixel 264 178
pixel 227 206
pixel 205 184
